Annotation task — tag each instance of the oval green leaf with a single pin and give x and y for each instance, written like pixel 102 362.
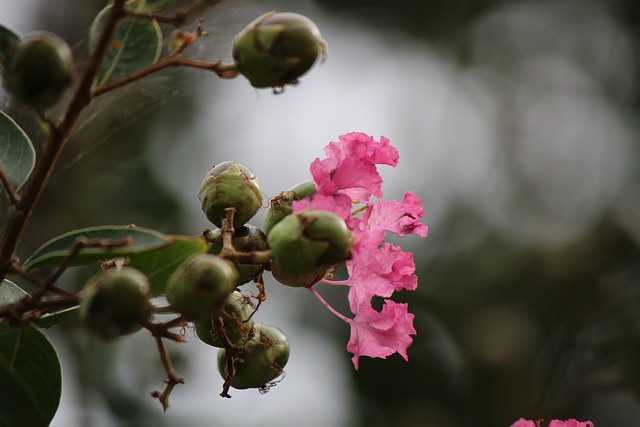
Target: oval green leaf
pixel 159 264
pixel 56 250
pixel 31 378
pixel 136 43
pixel 17 156
pixel 7 39
pixel 10 292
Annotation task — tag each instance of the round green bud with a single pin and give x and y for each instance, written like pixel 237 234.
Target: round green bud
pixel 247 238
pixel 115 302
pixel 280 206
pixel 230 185
pixel 277 48
pixel 37 69
pixel 200 287
pixel 310 242
pixel 305 280
pixel 261 360
pixel 236 321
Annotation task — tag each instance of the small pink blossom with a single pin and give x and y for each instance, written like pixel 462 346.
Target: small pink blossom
pixel 380 334
pixel 524 423
pixel 350 166
pixel 349 175
pixel 379 272
pixel 553 423
pixel 570 423
pixel 391 215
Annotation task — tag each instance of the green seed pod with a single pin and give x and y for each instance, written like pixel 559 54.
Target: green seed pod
pixel 230 185
pixel 309 242
pixel 277 48
pixel 237 324
pixel 305 280
pixel 280 206
pixel 245 239
pixel 200 287
pixel 115 302
pixel 261 360
pixel 37 69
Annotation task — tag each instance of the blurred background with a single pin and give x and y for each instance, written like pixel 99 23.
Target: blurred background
pixel 517 123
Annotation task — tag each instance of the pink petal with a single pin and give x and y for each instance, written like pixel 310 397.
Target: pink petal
pixel 570 423
pixel 379 272
pixel 380 334
pixel 339 204
pixel 523 423
pixel 350 166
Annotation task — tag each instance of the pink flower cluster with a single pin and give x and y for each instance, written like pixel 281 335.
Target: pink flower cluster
pixel 349 175
pixel 553 423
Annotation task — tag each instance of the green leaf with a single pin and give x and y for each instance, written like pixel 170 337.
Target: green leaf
pixel 159 264
pixel 7 39
pixel 52 319
pixel 30 376
pixel 10 292
pixel 136 44
pixel 17 156
pixel 57 249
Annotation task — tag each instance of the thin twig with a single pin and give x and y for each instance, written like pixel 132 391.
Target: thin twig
pixel 226 71
pixel 80 243
pixel 230 351
pixel 14 197
pixel 173 378
pixel 17 269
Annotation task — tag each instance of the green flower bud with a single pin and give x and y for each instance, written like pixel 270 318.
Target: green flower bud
pixel 115 302
pixel 245 239
pixel 261 360
pixel 305 280
pixel 280 206
pixel 200 287
pixel 309 242
pixel 277 48
pixel 37 69
pixel 230 185
pixel 237 324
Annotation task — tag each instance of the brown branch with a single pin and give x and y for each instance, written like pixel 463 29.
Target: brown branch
pixel 17 269
pixel 225 71
pixel 173 378
pixel 14 197
pixel 230 351
pixel 58 138
pixel 159 331
pixel 80 243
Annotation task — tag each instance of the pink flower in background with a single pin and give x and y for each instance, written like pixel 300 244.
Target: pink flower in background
pixel 525 423
pixel 570 423
pixel 553 423
pixel 349 175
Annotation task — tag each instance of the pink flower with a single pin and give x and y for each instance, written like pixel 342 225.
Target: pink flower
pixel 349 174
pixel 350 166
pixel 570 423
pixel 380 334
pixel 379 272
pixel 525 423
pixel 553 423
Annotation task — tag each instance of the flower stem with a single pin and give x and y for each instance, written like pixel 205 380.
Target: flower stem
pixel 326 304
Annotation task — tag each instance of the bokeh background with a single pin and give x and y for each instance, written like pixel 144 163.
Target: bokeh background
pixel 517 123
